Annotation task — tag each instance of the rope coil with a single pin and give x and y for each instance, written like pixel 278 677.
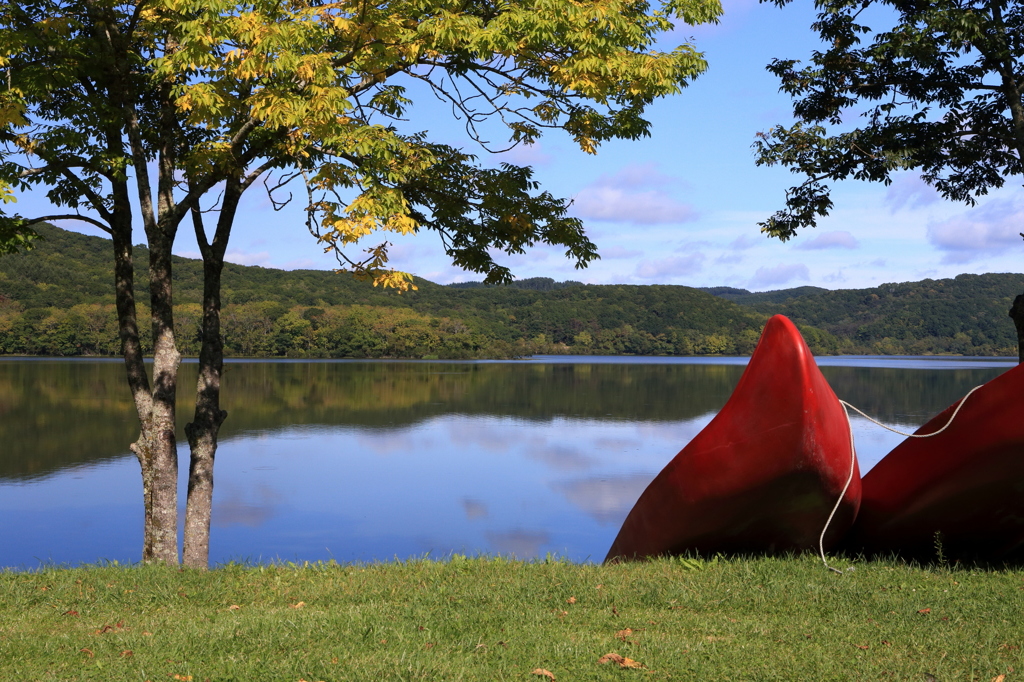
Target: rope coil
pixel 853 462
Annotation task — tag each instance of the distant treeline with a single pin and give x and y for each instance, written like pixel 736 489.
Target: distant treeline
pixel 270 329
pixel 966 315
pixel 57 300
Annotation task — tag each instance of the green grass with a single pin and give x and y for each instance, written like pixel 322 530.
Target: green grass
pixel 496 619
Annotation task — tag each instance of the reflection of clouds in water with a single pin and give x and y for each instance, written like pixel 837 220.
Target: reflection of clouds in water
pixel 559 457
pixel 488 434
pixel 394 442
pixel 873 442
pixel 677 433
pixel 617 444
pixel 475 509
pixel 606 500
pixel 521 544
pixel 235 510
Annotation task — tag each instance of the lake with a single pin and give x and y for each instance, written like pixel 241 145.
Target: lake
pixel 364 461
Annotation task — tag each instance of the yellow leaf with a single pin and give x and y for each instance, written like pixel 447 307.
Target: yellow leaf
pixel 299 605
pixel 541 672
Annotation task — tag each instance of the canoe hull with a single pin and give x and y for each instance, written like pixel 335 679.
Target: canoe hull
pixel 965 484
pixel 765 472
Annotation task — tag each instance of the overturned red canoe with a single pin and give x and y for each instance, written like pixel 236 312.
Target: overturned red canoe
pixel 763 475
pixel 966 483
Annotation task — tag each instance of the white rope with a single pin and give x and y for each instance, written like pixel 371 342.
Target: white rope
pixel 912 435
pixel 849 480
pixel 853 461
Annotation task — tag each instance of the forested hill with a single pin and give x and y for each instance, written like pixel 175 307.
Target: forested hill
pixel 967 314
pixel 57 300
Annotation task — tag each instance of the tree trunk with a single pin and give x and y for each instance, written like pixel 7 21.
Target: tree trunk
pixel 155 447
pixel 1017 313
pixel 159 453
pixel 202 431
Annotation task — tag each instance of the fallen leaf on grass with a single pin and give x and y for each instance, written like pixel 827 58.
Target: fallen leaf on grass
pixel 886 642
pixel 127 653
pixel 87 652
pixel 570 600
pixel 70 613
pixel 924 611
pixel 541 672
pixel 234 607
pixel 183 678
pixel 298 605
pixel 863 646
pixel 429 645
pixel 621 660
pixel 999 678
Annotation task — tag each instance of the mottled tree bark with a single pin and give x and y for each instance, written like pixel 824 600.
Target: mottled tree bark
pixel 1017 313
pixel 203 430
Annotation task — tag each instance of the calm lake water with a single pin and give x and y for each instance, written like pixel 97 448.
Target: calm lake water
pixel 362 461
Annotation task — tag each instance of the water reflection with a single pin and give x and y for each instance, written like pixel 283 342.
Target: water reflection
pixel 364 461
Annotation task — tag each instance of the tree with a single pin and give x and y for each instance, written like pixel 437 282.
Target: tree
pixel 943 89
pixel 188 103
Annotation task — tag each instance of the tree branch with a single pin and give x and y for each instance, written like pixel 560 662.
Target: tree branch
pixel 71 216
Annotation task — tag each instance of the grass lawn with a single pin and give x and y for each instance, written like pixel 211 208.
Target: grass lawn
pixel 496 619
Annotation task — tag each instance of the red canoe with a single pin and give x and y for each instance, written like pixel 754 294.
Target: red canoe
pixel 966 483
pixel 763 475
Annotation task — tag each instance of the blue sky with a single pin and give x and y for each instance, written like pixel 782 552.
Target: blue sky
pixel 682 206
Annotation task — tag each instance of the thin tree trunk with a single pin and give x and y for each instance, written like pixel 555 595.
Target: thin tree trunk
pixel 1017 313
pixel 202 432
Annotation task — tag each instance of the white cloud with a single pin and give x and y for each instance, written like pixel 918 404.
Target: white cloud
pixel 780 274
pixel 673 266
pixel 642 208
pixel 241 258
pixel 526 155
pixel 909 191
pixel 831 240
pixel 619 252
pixel 985 231
pixel 837 276
pixel 303 264
pixel 743 242
pixel 635 194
